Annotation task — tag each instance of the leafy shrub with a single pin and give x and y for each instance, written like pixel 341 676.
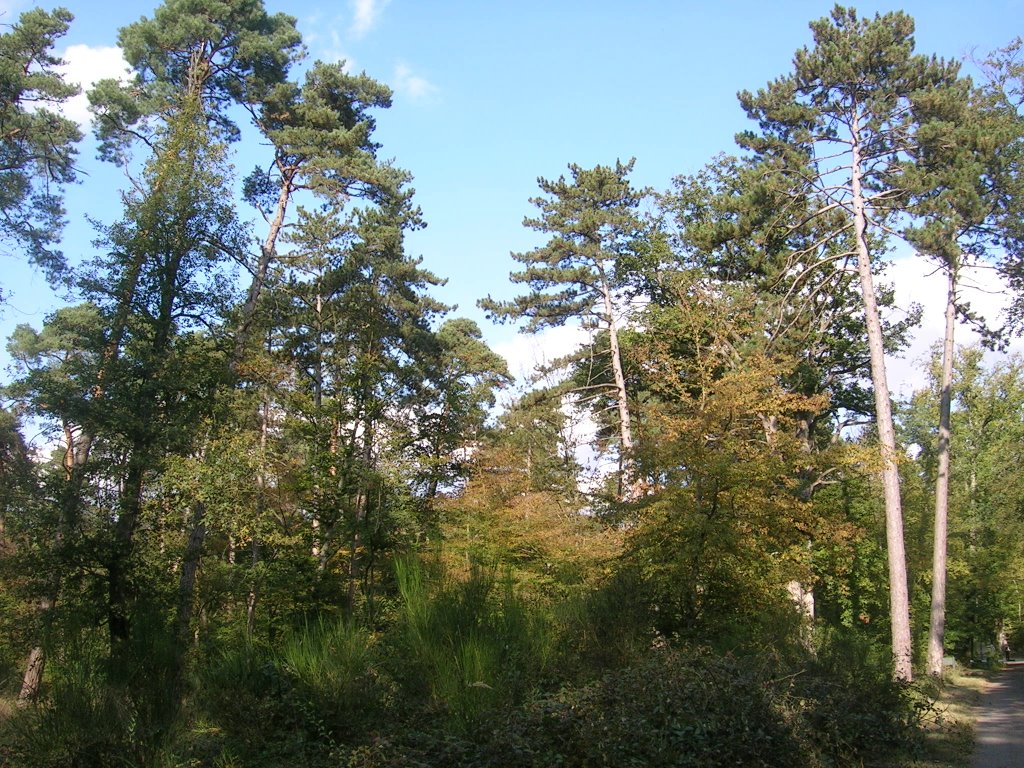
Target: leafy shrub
pixel 681 708
pixel 257 706
pixel 671 709
pixel 606 627
pixel 851 703
pixel 240 697
pixel 85 721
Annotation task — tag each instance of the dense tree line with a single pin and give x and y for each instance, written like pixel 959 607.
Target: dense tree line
pixel 282 519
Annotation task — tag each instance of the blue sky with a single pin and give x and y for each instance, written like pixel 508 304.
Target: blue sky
pixel 491 95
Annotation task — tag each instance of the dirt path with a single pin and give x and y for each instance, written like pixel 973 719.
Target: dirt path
pixel 999 732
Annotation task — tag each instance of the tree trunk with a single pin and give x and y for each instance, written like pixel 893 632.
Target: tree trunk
pixel 899 605
pixel 33 679
pixel 629 487
pixel 187 580
pixel 79 443
pixel 120 589
pixel 937 626
pixel 268 250
pixel 362 504
pixel 250 599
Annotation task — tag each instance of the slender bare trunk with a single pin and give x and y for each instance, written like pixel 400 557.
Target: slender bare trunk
pixel 937 626
pixel 250 599
pixel 899 604
pixel 268 250
pixel 189 571
pixel 628 480
pixel 79 443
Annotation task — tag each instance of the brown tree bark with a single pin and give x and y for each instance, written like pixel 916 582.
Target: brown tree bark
pixel 937 624
pixel 899 604
pixel 628 482
pixel 189 572
pixel 36 665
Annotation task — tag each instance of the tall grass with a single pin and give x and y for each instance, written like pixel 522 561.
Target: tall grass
pixel 85 720
pixel 471 646
pixel 330 665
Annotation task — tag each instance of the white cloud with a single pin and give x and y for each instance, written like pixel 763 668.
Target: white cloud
pixel 917 280
pixel 322 36
pixel 10 10
pixel 412 85
pixel 527 352
pixel 86 65
pixel 365 14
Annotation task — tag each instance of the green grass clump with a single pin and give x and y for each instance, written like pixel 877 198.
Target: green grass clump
pixel 329 666
pixel 470 647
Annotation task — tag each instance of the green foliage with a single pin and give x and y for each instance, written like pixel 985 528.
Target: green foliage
pixel 464 374
pixel 851 703
pixel 329 663
pixel 19 502
pixel 468 677
pixel 985 555
pixel 96 716
pixel 533 448
pixel 224 52
pixel 848 554
pixel 1004 87
pixel 260 705
pixel 839 132
pixel 290 529
pixel 671 709
pixel 734 227
pixel 593 221
pixel 725 526
pixel 606 627
pixel 470 651
pixel 241 706
pixel 682 708
pixel 37 145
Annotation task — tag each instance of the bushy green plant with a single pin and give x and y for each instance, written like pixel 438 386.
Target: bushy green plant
pixel 95 712
pixel 467 646
pixel 329 665
pixel 850 701
pixel 84 721
pixel 605 627
pixel 261 706
pixel 670 709
pixel 679 707
pixel 239 697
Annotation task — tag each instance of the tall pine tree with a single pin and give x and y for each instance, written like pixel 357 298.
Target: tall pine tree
pixel 594 222
pixel 838 129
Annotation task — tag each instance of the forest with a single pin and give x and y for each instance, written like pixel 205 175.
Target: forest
pixel 287 512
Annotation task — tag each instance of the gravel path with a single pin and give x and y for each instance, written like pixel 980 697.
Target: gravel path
pixel 1000 729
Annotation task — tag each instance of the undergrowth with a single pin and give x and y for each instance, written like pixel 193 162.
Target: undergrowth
pixel 467 673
